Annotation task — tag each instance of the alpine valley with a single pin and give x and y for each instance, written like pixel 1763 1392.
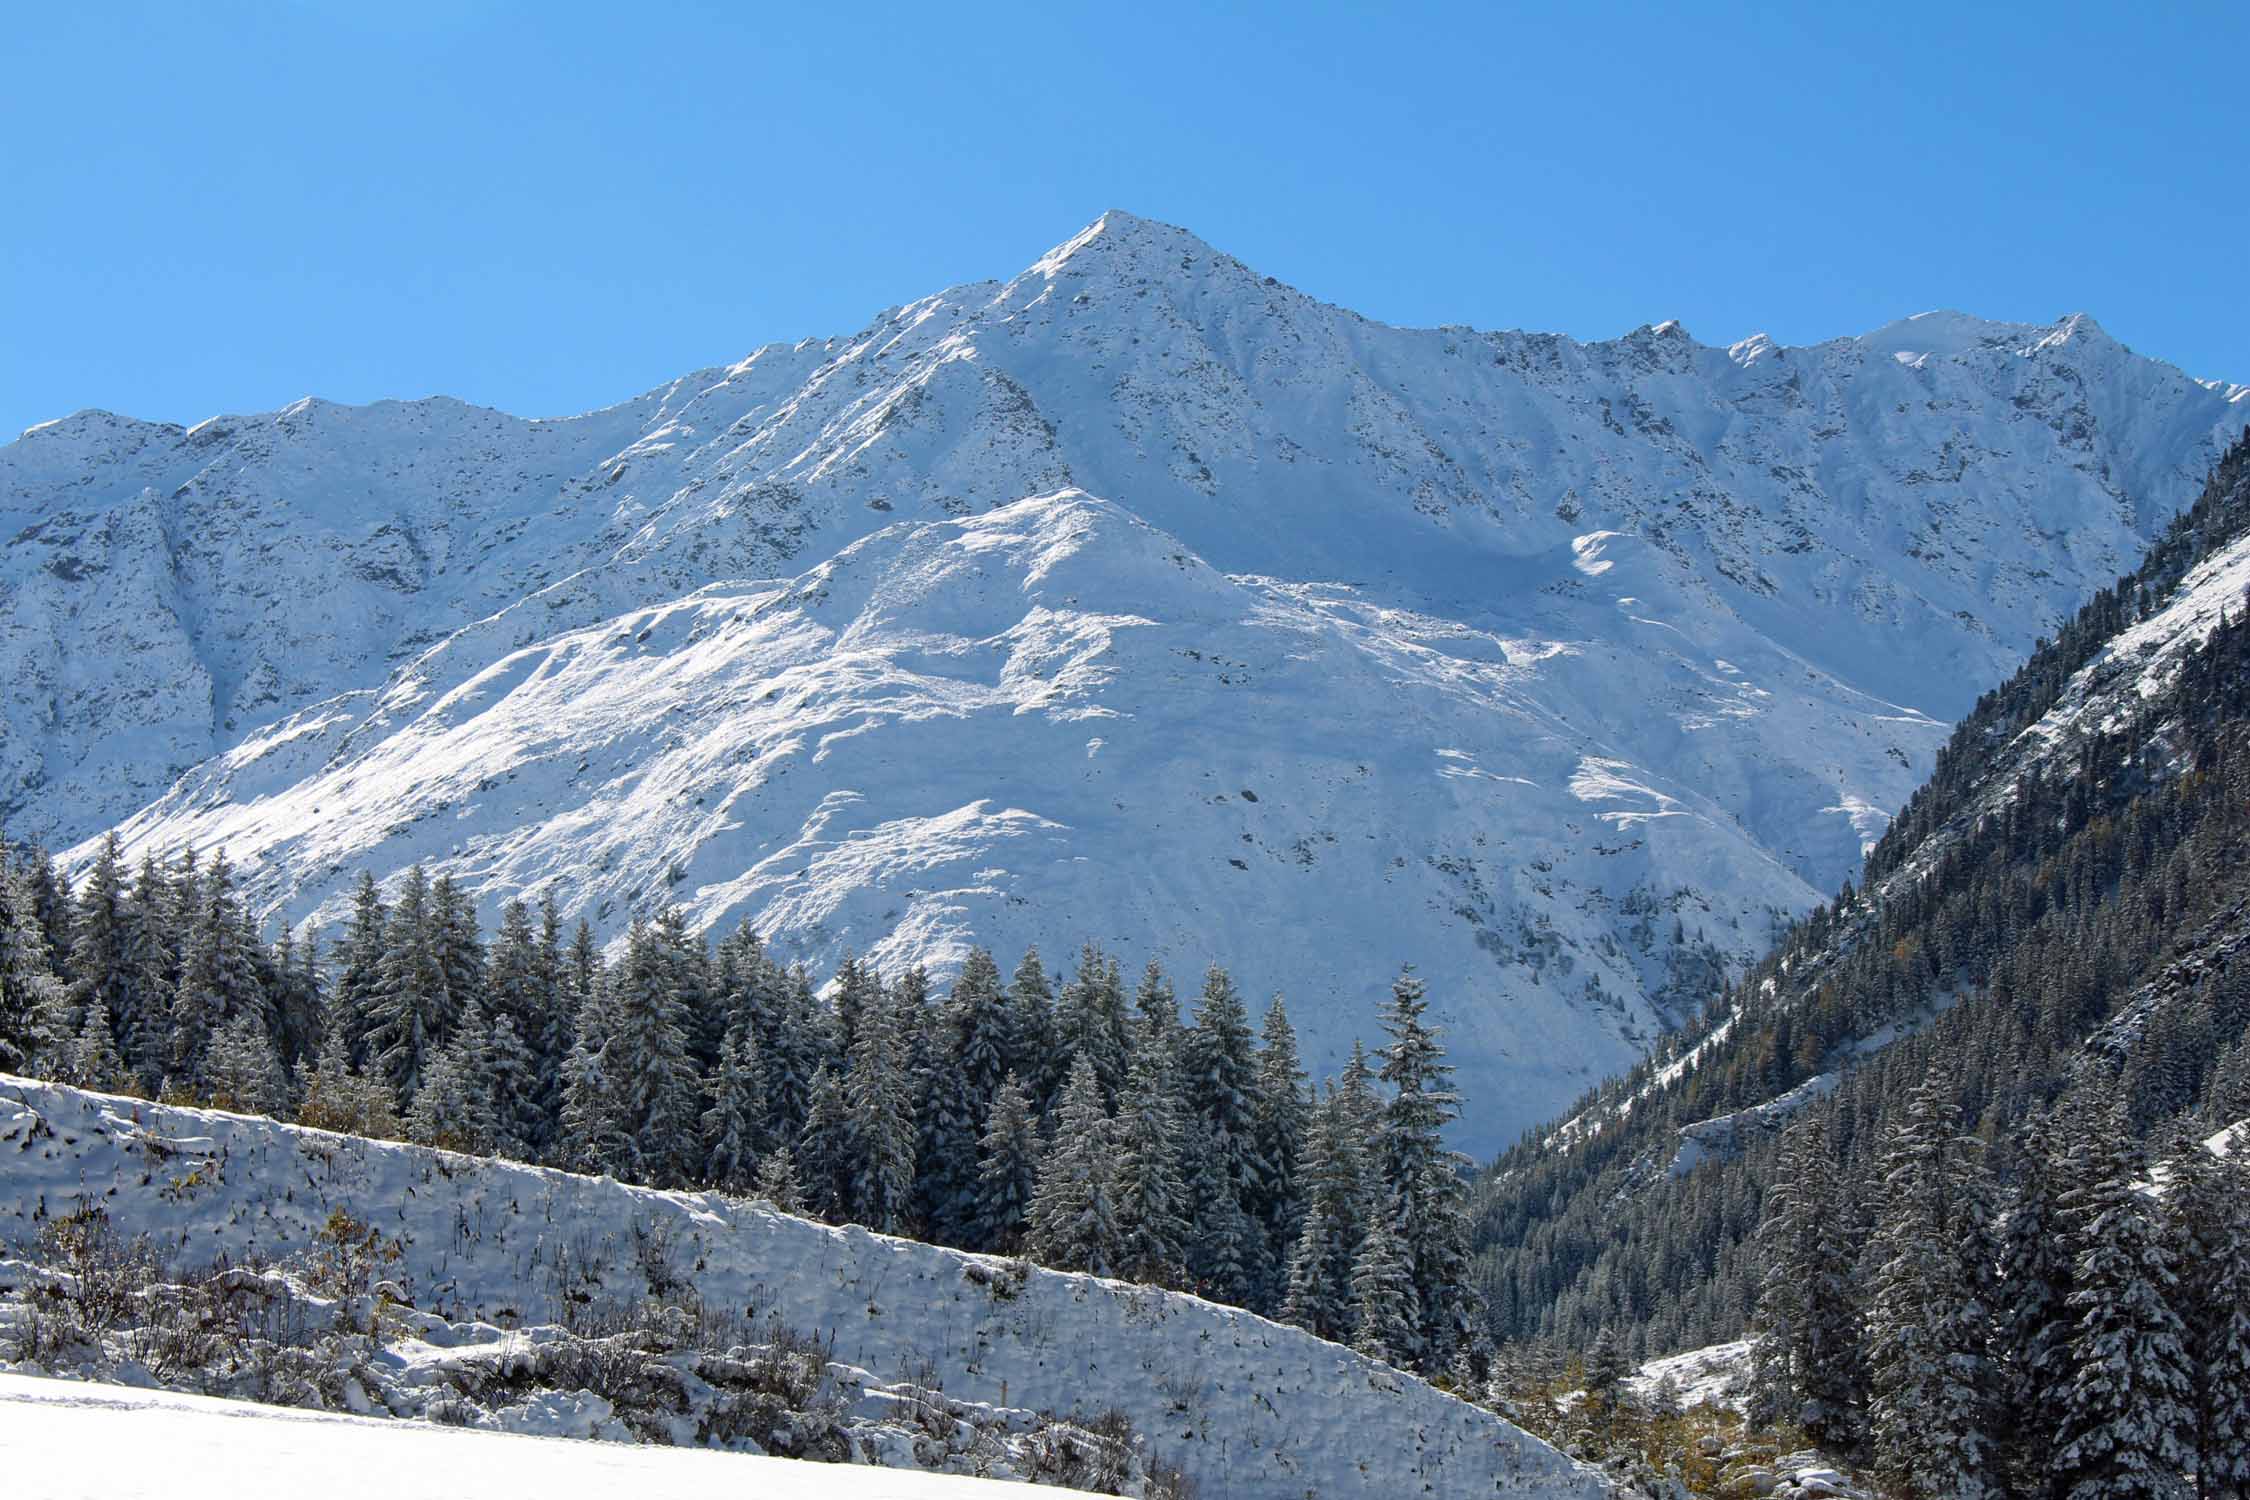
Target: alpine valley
pixel 1138 597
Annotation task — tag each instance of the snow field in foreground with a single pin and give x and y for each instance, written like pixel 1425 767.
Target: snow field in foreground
pixel 70 1440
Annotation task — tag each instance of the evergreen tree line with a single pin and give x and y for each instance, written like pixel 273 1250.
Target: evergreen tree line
pixel 2083 1335
pixel 2058 935
pixel 1087 1125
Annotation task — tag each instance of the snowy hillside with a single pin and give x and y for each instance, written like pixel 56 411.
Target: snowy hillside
pixel 1253 1408
pixel 989 622
pixel 71 1440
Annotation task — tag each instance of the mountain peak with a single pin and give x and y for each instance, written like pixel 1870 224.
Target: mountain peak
pixel 1119 241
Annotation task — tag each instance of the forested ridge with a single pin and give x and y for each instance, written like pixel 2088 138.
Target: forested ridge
pixel 2041 934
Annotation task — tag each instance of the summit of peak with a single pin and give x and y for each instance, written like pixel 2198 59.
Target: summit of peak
pixel 1119 238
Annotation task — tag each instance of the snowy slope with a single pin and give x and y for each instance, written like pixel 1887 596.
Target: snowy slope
pixel 1603 623
pixel 73 1440
pixel 1250 1408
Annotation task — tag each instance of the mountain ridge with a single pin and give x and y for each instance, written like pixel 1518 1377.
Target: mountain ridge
pixel 1750 583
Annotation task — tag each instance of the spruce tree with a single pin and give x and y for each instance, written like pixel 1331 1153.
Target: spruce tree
pixel 143 1035
pixel 981 1033
pixel 2125 1416
pixel 658 1095
pixel 2032 1325
pixel 879 1094
pixel 1007 1171
pixel 1930 1411
pixel 452 1109
pixel 1425 1179
pixel 1036 1054
pixel 732 1129
pixel 1152 1202
pixel 511 1089
pixel 2207 1202
pixel 414 1010
pixel 1383 1299
pixel 825 1147
pixel 777 1181
pixel 30 994
pixel 1226 1176
pixel 1282 1117
pixel 359 972
pixel 218 983
pixel 592 1137
pixel 1806 1362
pixel 1091 1020
pixel 1334 1177
pixel 103 964
pixel 1073 1221
pixel 240 1071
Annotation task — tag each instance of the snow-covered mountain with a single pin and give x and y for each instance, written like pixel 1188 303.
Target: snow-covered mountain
pixel 1139 597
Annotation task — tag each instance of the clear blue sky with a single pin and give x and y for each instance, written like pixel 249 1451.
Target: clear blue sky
pixel 545 208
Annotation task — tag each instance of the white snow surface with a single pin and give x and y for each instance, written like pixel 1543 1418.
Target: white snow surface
pixel 81 1440
pixel 985 624
pixel 1717 1374
pixel 1249 1407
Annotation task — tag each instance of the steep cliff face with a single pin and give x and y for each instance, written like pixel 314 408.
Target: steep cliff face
pixel 1540 658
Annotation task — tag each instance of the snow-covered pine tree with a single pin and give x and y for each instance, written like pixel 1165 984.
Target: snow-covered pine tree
pixel 1092 1021
pixel 1424 1178
pixel 102 963
pixel 142 1036
pixel 945 1178
pixel 2207 1214
pixel 2121 1432
pixel 1807 1365
pixel 1606 1365
pixel 982 1033
pixel 584 968
pixel 415 1012
pixel 1282 1118
pixel 858 989
pixel 1333 1177
pixel 453 1109
pixel 803 1043
pixel 553 1026
pixel 521 977
pixel 2032 1324
pixel 30 993
pixel 1007 1169
pixel 511 1089
pixel 732 1128
pixel 1383 1299
pixel 1152 1202
pixel 1035 1050
pixel 777 1181
pixel 1156 1011
pixel 1219 1071
pixel 293 988
pixel 338 1097
pixel 659 1096
pixel 460 943
pixel 879 1096
pixel 94 1060
pixel 218 982
pixel 359 971
pixel 592 1136
pixel 1073 1215
pixel 703 1016
pixel 825 1147
pixel 1930 1412
pixel 239 1069
pixel 52 905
